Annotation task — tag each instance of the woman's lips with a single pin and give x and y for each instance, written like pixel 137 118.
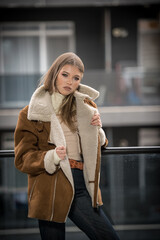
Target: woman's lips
pixel 67 88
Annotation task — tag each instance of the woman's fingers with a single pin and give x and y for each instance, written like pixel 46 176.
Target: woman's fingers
pixel 96 120
pixel 61 152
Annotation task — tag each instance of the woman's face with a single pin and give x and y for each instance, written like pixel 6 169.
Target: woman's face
pixel 68 79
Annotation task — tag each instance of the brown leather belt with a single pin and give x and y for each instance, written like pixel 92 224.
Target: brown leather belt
pixel 76 164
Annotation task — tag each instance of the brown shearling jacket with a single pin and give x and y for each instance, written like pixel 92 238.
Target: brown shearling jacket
pixel 38 132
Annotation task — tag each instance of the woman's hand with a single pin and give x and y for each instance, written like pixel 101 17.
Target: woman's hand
pixel 96 120
pixel 61 152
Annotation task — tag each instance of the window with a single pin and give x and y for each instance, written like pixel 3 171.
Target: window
pixel 26 51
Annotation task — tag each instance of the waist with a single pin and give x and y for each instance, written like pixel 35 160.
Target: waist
pixel 76 164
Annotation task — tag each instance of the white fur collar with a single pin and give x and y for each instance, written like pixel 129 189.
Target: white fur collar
pixel 57 99
pixel 41 108
pixel 86 92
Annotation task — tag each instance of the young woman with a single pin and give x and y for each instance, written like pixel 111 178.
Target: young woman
pixel 58 140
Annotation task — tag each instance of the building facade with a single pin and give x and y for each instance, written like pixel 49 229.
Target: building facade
pixel 118 43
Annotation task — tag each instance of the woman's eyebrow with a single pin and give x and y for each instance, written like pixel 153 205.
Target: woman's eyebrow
pixel 65 72
pixel 76 75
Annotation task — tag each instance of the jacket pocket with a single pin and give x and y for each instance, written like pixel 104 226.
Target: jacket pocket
pixel 32 189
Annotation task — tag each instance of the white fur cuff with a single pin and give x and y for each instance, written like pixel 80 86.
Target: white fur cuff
pixel 102 136
pixel 56 158
pixel 49 163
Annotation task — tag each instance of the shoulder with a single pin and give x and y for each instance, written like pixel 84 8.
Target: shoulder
pixel 23 113
pixel 23 123
pixel 24 110
pixel 22 118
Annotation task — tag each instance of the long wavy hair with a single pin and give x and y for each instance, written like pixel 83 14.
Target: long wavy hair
pixel 67 111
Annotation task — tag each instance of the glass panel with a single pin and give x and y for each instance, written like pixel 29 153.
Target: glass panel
pixel 55 47
pixel 13 88
pixel 130 186
pixel 20 54
pixel 16 90
pixel 7 140
pixel 13 195
pixel 132 86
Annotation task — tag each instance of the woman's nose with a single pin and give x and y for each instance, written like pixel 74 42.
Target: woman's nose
pixel 69 80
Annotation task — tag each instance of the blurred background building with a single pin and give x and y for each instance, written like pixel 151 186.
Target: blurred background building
pixel 119 43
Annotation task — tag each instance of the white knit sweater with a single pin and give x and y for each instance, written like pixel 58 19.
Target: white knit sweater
pixel 72 138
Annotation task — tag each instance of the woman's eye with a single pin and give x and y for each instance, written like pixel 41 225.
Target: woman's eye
pixel 64 74
pixel 76 78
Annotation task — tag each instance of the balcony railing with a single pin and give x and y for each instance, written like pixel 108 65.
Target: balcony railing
pixel 132 86
pixel 130 187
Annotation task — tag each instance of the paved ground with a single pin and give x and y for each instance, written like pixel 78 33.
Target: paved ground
pixel 75 234
pixel 69 236
pixel 126 235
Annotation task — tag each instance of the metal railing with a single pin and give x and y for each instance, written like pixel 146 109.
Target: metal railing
pixel 107 150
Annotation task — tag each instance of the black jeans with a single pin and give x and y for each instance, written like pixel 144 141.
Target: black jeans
pixel 93 222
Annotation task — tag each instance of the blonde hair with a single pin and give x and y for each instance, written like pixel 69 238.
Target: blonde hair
pixel 67 110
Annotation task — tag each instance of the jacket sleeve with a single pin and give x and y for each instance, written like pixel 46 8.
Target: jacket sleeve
pixel 103 139
pixel 28 158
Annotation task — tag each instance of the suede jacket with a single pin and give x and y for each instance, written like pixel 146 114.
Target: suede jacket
pixel 37 134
